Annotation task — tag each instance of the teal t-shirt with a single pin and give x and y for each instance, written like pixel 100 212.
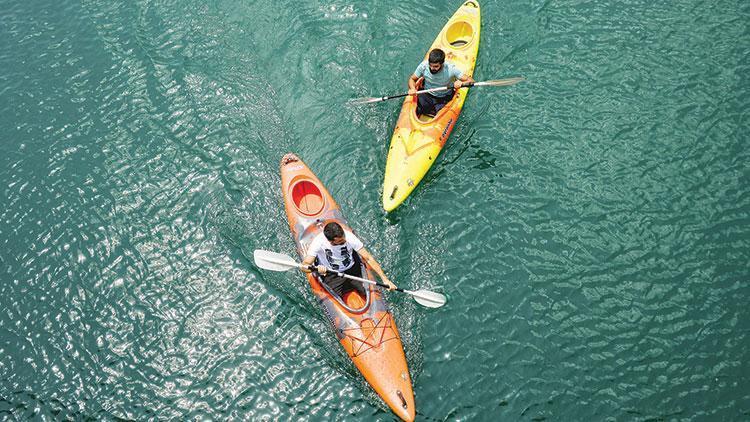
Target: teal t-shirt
pixel 447 75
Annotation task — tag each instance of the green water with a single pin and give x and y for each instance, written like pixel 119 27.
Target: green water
pixel 589 226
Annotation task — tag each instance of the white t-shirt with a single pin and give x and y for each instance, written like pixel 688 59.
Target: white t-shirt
pixel 336 257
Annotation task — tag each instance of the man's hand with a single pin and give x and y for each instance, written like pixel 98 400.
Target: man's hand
pixel 413 83
pixel 458 84
pixel 320 269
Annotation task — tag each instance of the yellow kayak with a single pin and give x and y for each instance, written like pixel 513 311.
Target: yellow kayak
pixel 417 141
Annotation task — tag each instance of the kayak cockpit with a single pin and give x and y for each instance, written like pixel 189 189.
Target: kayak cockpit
pixel 307 197
pixel 352 301
pixel 459 34
pixel 427 118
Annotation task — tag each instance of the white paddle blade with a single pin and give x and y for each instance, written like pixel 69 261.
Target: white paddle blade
pixel 428 298
pixel 274 261
pixel 361 101
pixel 500 82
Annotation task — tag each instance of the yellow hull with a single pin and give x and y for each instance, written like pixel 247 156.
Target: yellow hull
pixel 417 141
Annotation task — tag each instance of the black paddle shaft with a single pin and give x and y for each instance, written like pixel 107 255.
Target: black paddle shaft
pixel 447 87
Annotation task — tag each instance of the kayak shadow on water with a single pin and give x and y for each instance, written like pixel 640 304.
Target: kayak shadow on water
pixel 485 159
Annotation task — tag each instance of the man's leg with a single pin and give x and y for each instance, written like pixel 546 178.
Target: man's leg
pixel 336 283
pixel 340 285
pixel 356 271
pixel 439 106
pixel 440 102
pixel 424 104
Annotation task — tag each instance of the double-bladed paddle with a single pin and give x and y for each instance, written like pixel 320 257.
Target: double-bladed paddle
pixel 275 261
pixel 496 82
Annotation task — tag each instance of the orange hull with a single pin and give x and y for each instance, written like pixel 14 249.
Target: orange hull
pixel 364 326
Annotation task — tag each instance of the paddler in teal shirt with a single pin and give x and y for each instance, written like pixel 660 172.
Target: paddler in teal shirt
pixel 436 73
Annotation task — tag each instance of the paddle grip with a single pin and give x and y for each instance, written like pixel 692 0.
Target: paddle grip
pixel 467 84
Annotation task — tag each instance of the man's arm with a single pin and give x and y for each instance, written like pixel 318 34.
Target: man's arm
pixel 372 263
pixel 415 77
pixel 309 260
pixel 413 84
pixel 461 79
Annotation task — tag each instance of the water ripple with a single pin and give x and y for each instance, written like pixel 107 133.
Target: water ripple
pixel 588 226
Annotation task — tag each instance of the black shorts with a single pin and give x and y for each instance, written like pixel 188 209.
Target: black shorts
pixel 341 285
pixel 429 104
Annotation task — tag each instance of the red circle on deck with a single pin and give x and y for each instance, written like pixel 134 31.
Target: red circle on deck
pixel 307 197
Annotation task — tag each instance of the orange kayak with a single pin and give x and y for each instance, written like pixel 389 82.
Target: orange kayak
pixel 364 325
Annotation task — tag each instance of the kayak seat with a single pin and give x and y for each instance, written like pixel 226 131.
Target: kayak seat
pixel 353 299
